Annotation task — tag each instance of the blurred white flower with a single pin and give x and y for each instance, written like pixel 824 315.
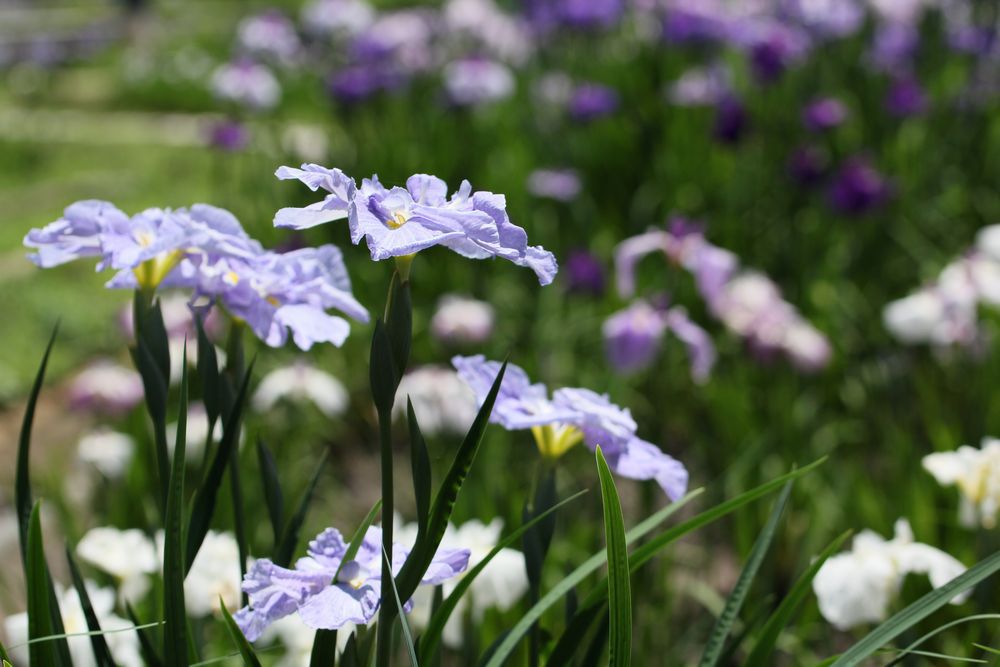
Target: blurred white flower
pixel 107 388
pixel 499 586
pixel 214 573
pixel 297 639
pixel 108 451
pixel 246 84
pixel 976 473
pixel 127 555
pixel 459 319
pixel 124 646
pixel 857 586
pixel 443 403
pixel 337 17
pixel 270 35
pixel 988 241
pixel 500 33
pixel 301 382
pixel 474 81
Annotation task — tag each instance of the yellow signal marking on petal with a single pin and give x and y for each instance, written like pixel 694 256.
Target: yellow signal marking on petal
pixel 231 278
pixel 397 220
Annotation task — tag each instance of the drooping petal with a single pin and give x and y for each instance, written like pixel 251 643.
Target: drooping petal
pixel 641 460
pixel 338 605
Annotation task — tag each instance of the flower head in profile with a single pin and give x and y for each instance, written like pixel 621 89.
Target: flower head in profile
pixel 400 221
pixel 328 592
pixel 571 416
pixel 857 586
pixel 976 473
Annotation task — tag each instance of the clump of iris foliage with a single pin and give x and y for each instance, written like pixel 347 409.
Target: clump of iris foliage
pixel 794 170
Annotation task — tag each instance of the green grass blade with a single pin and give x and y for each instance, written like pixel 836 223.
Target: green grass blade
pixel 37 580
pixel 204 500
pixel 968 619
pixel 290 537
pixel 723 625
pixel 208 374
pixel 175 639
pixel 501 653
pixel 420 463
pixel 918 611
pixel 272 490
pixel 430 640
pixel 147 647
pixel 102 654
pixel 424 550
pixel 239 520
pixel 619 576
pixel 411 650
pixel 761 653
pixel 246 651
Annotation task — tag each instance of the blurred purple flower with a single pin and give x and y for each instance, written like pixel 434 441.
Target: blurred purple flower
pixel 584 273
pixel 824 114
pixel 591 101
pixel 731 120
pixel 247 85
pixel 327 18
pixel 906 98
pixel 582 14
pixel 570 416
pixel 327 592
pixel 228 135
pixel 807 165
pixel 774 47
pixel 559 184
pixel 858 187
pixel 686 22
pixel 632 338
pixel 825 18
pixel 894 46
pixel 359 82
pixel 270 35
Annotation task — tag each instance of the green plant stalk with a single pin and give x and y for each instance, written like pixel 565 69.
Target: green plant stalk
pixel 386 605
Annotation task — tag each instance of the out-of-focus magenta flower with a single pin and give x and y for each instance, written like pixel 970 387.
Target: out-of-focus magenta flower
pixel 582 14
pixel 906 98
pixel 477 81
pixel 461 320
pixel 894 46
pixel 807 165
pixel 824 114
pixel 591 101
pixel 858 187
pixel 774 47
pixel 246 84
pixel 359 82
pixel 228 135
pixel 687 22
pixel 559 184
pixel 584 273
pixel 731 120
pixel 106 388
pixel 633 337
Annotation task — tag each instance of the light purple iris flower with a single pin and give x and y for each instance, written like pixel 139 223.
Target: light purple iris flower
pixel 632 338
pixel 399 221
pixel 75 235
pixel 521 405
pixel 325 598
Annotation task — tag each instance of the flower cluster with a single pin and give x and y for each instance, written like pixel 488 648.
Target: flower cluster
pixel 857 587
pixel 205 249
pixel 945 312
pixel 326 591
pixel 747 302
pixel 398 222
pixel 570 416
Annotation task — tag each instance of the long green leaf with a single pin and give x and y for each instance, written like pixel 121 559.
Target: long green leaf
pixel 639 557
pixel 420 464
pixel 717 640
pixel 399 323
pixel 246 651
pixel 407 635
pixel 39 610
pixel 204 500
pixel 919 610
pixel 102 654
pixel 382 373
pixel 761 653
pixel 175 639
pixel 155 387
pixel 272 490
pixel 208 374
pixel 324 649
pixel 444 502
pixel 239 520
pixel 358 537
pixel 290 537
pixel 431 638
pixel 619 576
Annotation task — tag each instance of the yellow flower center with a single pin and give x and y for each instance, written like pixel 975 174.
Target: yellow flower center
pixel 397 220
pixel 555 440
pixel 151 273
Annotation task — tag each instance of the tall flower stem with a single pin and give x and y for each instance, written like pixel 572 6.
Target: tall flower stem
pixel 390 353
pixel 536 541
